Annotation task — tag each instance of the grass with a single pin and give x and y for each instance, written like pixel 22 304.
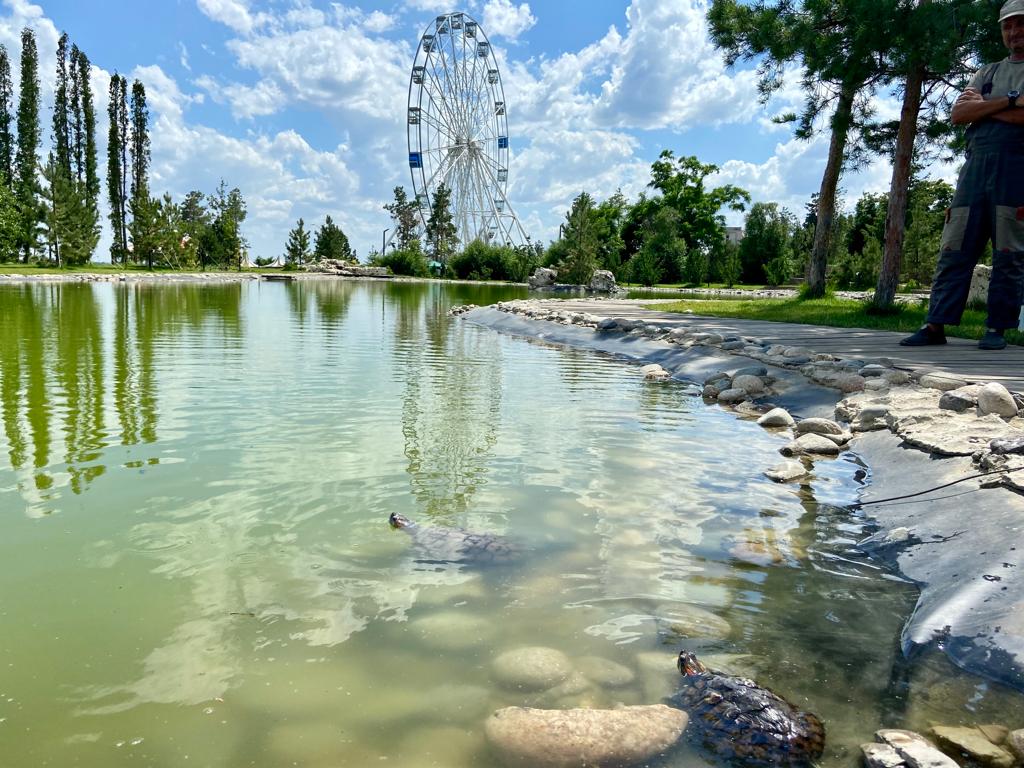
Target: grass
pixel 834 313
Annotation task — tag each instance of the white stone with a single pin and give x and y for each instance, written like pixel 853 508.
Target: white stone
pixel 995 398
pixel 776 417
pixel 1015 741
pixel 552 738
pixel 916 750
pixel 532 668
pixel 978 293
pixel 750 384
pixel 817 444
pixel 650 367
pixel 786 472
pixel 941 381
pixel 603 281
pixel 881 756
pixel 542 278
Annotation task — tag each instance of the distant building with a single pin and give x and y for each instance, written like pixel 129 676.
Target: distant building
pixel 734 234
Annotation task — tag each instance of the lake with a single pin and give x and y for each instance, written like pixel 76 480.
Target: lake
pixel 196 566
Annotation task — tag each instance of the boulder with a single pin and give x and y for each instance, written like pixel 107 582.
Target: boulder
pixel 732 395
pixel 776 417
pixel 543 278
pixel 607 324
pixel 978 293
pixel 750 384
pixel 972 743
pixel 916 750
pixel 786 472
pixel 818 426
pixel 817 444
pixel 752 370
pixel 603 281
pixel 959 400
pixel 995 398
pixel 569 738
pixel 532 668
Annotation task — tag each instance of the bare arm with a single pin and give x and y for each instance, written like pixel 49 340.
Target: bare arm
pixel 972 107
pixel 1013 116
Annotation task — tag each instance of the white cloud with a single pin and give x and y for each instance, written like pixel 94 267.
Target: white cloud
pixel 231 13
pixel 503 19
pixel 184 56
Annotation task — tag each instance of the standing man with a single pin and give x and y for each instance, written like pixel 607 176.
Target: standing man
pixel 988 204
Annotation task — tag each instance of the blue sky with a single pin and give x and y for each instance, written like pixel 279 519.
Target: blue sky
pixel 302 103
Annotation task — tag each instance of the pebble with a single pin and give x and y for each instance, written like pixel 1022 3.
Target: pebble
pixel 995 398
pixel 532 668
pixel 776 417
pixel 545 738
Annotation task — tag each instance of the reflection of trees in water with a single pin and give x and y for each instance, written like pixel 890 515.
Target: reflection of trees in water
pixel 331 297
pixel 53 375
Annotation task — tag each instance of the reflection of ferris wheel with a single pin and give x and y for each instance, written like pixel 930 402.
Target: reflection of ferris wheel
pixel 458 133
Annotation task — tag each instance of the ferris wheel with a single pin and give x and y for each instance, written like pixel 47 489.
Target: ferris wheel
pixel 458 131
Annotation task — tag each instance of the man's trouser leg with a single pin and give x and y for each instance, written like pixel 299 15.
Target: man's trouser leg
pixel 1006 290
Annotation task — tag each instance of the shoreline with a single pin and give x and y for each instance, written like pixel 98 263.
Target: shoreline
pixel 971 601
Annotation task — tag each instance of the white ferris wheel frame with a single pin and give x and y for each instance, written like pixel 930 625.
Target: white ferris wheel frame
pixel 458 130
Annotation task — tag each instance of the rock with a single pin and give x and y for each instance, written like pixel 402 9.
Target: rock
pixel 872 369
pixel 973 744
pixel 604 672
pixel 881 756
pixel 452 630
pixel 710 391
pixel 1015 741
pixel 542 278
pixel 786 472
pixel 797 352
pixel 959 400
pixel 532 668
pixel 995 398
pixel 731 346
pixel 978 293
pixel 847 382
pixel 607 324
pixel 603 281
pixel 776 417
pixel 817 444
pixel 569 738
pixel 871 417
pixel 997 734
pixel 751 370
pixel 818 426
pixel 650 367
pixel 732 395
pixel 714 378
pixel 916 750
pixel 792 448
pixel 626 324
pixel 840 439
pixel 691 621
pixel 941 381
pixel 1008 445
pixel 896 378
pixel 750 384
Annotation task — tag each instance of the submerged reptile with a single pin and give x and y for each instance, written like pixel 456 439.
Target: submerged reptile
pixel 738 720
pixel 455 545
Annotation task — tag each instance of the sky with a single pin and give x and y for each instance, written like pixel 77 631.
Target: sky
pixel 302 104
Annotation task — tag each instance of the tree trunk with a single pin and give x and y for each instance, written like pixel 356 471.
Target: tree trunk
pixel 895 218
pixel 827 194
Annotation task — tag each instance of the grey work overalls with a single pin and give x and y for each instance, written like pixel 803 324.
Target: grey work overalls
pixel 988 205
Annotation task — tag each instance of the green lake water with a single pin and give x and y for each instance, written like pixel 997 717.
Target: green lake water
pixel 196 567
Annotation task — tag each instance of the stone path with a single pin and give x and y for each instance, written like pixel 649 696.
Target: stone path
pixel 960 357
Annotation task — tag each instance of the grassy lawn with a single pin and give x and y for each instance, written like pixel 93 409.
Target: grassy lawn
pixel 835 313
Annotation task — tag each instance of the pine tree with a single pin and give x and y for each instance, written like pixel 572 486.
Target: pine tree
pixel 331 243
pixel 404 214
pixel 139 203
pixel 6 137
pixel 441 232
pixel 26 183
pixel 72 229
pixel 296 250
pixel 581 258
pixel 117 168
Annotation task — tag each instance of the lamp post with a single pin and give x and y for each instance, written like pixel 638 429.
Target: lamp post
pixel 383 241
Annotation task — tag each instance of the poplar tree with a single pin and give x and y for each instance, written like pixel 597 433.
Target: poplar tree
pixel 88 163
pixel 6 137
pixel 61 131
pixel 117 167
pixel 140 155
pixel 26 184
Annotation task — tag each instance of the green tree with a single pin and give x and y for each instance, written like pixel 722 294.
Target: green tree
pixel 766 251
pixel 837 42
pixel 117 167
pixel 9 225
pixel 609 217
pixel 729 266
pixel 72 229
pixel 26 184
pixel 296 250
pixel 405 216
pixel 229 211
pixel 6 137
pixel 85 129
pixel 140 206
pixel 663 250
pixel 331 243
pixel 173 243
pixel 581 242
pixel 926 213
pixel 61 132
pixel 442 236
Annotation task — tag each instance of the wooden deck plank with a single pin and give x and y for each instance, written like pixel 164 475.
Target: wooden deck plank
pixel 960 357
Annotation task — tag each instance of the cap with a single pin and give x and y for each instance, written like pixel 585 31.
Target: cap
pixel 1011 8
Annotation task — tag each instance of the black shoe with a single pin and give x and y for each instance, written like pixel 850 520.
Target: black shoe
pixel 992 339
pixel 924 337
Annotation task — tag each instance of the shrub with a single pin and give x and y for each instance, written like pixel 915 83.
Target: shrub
pixel 481 261
pixel 405 261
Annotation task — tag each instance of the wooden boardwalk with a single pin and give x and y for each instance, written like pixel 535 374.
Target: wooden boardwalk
pixel 960 357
